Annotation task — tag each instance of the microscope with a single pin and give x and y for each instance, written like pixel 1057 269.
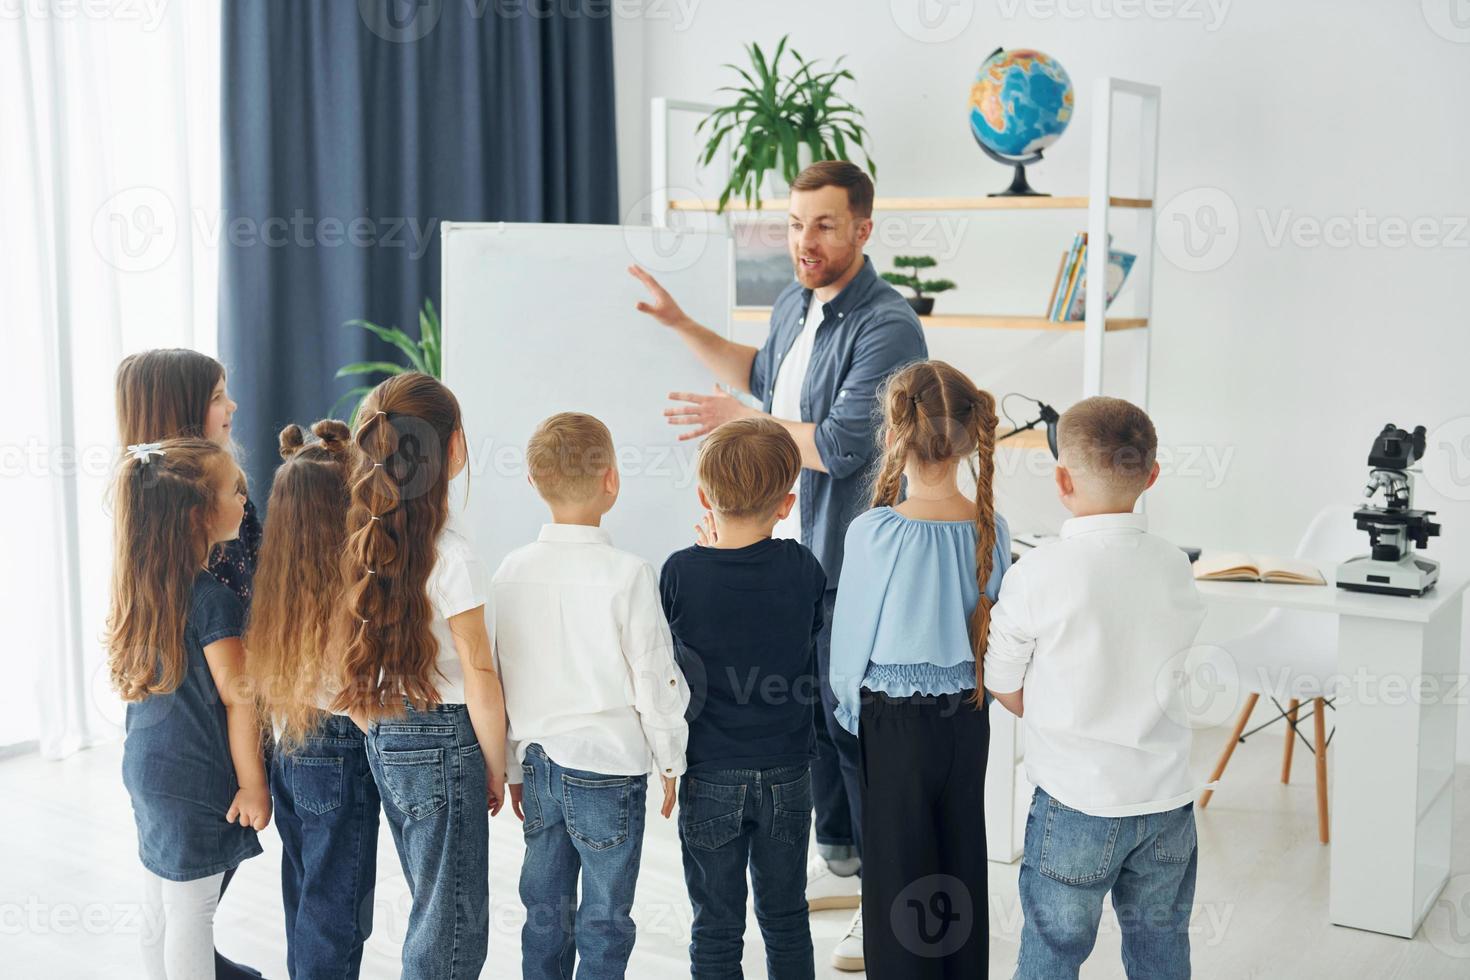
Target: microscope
pixel 1394 527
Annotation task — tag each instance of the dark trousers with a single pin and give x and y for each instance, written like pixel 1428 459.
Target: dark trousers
pixel 924 876
pixel 836 781
pixel 736 820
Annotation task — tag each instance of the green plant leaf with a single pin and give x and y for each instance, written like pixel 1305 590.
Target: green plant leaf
pixel 369 367
pixel 395 337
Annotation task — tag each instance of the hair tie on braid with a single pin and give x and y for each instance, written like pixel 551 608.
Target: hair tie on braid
pixel 917 397
pixel 374 517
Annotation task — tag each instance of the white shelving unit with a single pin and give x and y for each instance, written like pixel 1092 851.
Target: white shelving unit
pixel 1007 792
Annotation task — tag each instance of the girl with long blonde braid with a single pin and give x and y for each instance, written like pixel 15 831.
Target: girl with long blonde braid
pixel 908 640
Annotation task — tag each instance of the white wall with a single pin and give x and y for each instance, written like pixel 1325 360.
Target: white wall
pixel 1280 362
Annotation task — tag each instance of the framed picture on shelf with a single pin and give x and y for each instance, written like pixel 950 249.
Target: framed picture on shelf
pixel 762 262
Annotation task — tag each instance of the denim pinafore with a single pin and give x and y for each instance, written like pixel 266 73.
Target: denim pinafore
pixel 176 756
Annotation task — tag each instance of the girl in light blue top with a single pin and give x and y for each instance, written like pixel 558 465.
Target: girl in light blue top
pixel 908 639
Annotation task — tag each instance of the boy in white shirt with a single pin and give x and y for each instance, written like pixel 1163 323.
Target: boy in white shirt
pixel 1081 634
pixel 594 702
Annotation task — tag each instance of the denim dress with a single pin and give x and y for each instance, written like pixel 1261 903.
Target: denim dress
pixel 176 756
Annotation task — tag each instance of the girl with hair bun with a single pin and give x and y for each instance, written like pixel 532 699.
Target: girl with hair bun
pixel 418 671
pixel 908 640
pixel 326 803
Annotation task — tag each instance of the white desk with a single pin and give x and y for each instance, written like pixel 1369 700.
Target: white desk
pixel 1391 790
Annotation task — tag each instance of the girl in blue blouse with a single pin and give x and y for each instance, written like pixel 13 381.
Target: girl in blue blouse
pixel 908 639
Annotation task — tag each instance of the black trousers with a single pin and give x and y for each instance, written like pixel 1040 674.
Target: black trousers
pixel 925 902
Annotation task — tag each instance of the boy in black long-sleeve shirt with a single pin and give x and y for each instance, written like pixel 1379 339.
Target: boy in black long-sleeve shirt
pixel 745 610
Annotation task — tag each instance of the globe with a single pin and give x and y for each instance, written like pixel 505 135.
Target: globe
pixel 1020 104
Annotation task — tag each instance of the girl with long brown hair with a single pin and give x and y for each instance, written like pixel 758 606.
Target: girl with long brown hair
pixel 908 640
pixel 192 755
pixel 174 392
pixel 417 667
pixel 326 803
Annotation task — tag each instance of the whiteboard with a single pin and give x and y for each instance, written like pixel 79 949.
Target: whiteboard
pixel 542 318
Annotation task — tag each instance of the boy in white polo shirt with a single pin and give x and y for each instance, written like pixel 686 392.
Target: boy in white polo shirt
pixel 594 703
pixel 1079 636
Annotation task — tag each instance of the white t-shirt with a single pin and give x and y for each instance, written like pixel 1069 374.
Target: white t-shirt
pixel 786 401
pixel 458 582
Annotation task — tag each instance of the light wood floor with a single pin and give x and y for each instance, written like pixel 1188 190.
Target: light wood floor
pixel 68 881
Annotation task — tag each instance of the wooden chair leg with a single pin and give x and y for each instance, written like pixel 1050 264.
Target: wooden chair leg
pixel 1290 739
pixel 1240 723
pixel 1319 727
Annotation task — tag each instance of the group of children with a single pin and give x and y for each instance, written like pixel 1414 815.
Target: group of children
pixel 365 661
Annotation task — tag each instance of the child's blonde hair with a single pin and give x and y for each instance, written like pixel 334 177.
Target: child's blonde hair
pixel 933 413
pixel 747 467
pixel 162 501
pixel 1110 440
pixel 567 456
pixel 298 581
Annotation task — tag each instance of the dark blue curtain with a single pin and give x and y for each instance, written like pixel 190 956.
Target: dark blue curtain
pixel 351 128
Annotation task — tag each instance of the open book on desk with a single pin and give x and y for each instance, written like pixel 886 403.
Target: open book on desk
pixel 1236 566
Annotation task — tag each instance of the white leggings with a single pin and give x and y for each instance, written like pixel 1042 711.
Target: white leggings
pixel 178 930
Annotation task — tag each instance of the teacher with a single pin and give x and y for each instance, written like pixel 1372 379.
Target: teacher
pixel 836 333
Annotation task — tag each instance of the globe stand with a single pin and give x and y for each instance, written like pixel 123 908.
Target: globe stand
pixel 1019 186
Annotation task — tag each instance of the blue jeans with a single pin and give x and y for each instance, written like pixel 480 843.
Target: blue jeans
pixel 732 819
pixel 431 775
pixel 583 822
pixel 326 810
pixel 1073 860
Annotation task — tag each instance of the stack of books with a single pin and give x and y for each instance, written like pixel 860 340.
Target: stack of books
pixel 1069 290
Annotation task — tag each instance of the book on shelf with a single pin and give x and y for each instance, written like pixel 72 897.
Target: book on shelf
pixel 1237 566
pixel 1069 294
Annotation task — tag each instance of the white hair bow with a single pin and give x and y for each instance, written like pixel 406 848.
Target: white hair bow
pixel 144 451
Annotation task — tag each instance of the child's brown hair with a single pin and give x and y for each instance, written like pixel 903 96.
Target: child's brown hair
pixel 567 456
pixel 399 504
pixel 1110 439
pixel 933 413
pixel 747 467
pixel 298 581
pixel 164 394
pixel 163 499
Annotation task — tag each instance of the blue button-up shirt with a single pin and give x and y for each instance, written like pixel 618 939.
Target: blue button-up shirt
pixel 867 332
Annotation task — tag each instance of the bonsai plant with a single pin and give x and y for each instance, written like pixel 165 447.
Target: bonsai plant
pixel 921 303
pixel 777 117
pixel 423 355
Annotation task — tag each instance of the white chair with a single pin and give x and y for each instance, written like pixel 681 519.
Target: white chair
pixel 1292 657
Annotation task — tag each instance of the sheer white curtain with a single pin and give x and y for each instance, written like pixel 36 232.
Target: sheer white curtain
pixel 109 203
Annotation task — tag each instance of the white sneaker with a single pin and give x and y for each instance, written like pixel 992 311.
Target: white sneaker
pixel 825 890
pixel 848 955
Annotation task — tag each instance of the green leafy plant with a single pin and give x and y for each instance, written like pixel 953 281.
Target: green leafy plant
pixel 774 113
pixel 423 355
pixel 911 278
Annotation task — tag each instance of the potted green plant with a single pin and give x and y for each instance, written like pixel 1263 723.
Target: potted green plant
pixel 423 355
pixel 781 120
pixel 922 304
